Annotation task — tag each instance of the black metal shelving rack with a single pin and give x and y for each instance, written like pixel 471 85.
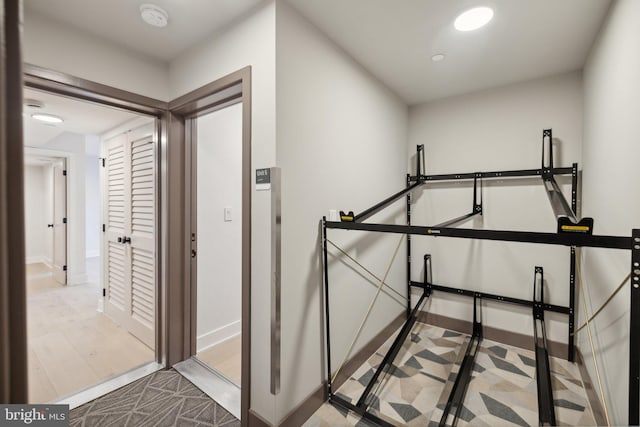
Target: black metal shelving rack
pixel 570 232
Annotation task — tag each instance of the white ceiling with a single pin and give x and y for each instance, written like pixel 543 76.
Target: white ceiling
pixel 79 117
pixel 395 40
pixel 118 21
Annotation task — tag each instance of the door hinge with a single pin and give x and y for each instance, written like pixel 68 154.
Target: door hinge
pixel 64 173
pixel 64 268
pixel 103 160
pixel 104 292
pixel 64 220
pixel 104 228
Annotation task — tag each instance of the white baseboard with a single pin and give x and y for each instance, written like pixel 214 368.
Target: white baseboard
pixel 48 261
pixel 93 254
pixel 219 335
pixel 77 279
pixel 37 259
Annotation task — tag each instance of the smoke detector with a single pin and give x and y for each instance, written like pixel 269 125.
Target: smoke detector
pixel 154 15
pixel 33 103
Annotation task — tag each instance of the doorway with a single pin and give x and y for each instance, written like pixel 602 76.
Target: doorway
pixel 232 91
pixel 74 345
pixel 217 160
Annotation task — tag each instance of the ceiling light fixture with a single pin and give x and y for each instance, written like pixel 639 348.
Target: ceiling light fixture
pixel 47 118
pixel 438 57
pixel 33 103
pixel 154 15
pixel 473 19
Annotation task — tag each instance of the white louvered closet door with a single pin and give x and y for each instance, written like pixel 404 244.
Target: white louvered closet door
pixel 117 271
pixel 130 232
pixel 143 207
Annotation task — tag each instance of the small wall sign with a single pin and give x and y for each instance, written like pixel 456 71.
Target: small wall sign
pixel 263 179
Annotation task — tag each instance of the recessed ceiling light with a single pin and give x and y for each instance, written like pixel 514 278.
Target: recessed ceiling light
pixel 473 19
pixel 154 15
pixel 47 118
pixel 437 57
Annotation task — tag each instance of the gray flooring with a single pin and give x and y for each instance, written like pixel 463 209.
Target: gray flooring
pixel 502 391
pixel 164 398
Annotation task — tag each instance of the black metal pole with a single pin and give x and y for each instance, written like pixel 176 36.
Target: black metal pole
pixel 393 350
pixel 634 332
pixel 572 267
pixel 520 173
pixel 326 304
pixel 337 400
pixel 383 204
pixel 565 239
pixel 408 249
pixel 572 304
pixel 546 409
pixel 463 378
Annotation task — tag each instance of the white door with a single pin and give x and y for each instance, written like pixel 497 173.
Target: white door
pixel 129 232
pixel 60 223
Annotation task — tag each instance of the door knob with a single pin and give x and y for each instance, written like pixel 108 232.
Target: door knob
pixel 50 225
pixel 126 239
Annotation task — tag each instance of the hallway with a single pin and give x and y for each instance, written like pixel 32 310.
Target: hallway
pixel 71 344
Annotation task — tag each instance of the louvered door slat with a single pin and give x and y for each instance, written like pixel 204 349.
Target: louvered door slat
pixel 129 183
pixel 143 286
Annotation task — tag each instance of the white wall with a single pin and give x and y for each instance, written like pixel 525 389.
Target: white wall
pixel 499 129
pixel 34 207
pixel 219 275
pixel 611 153
pixel 49 44
pixel 73 146
pixel 250 42
pixel 92 196
pixel 341 145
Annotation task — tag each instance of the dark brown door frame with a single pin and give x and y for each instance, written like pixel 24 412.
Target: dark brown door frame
pixel 73 87
pixel 13 317
pixel 216 95
pixel 176 320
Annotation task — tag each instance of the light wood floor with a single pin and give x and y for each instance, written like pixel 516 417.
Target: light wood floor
pixel 71 345
pixel 225 358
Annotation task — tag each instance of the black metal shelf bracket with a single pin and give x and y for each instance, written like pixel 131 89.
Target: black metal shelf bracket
pixel 634 332
pixel 546 410
pixel 387 361
pixel 565 213
pixel 455 403
pixel 570 232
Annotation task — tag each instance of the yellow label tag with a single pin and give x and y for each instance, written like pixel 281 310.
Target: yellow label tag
pixel 346 218
pixel 575 228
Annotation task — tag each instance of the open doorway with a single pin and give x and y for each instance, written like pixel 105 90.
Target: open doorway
pixel 217 154
pixel 72 199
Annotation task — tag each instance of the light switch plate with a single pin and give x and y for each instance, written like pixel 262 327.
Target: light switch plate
pixel 227 213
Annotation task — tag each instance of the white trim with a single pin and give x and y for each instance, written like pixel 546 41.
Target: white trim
pixel 36 259
pixel 93 254
pixel 77 279
pixel 219 335
pixel 125 127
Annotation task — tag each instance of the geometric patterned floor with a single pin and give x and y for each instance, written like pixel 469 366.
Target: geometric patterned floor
pixel 502 391
pixel 164 398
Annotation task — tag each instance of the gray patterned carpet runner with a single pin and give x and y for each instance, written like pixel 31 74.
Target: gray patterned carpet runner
pixel 164 398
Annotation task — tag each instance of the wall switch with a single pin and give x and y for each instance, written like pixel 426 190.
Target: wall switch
pixel 227 214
